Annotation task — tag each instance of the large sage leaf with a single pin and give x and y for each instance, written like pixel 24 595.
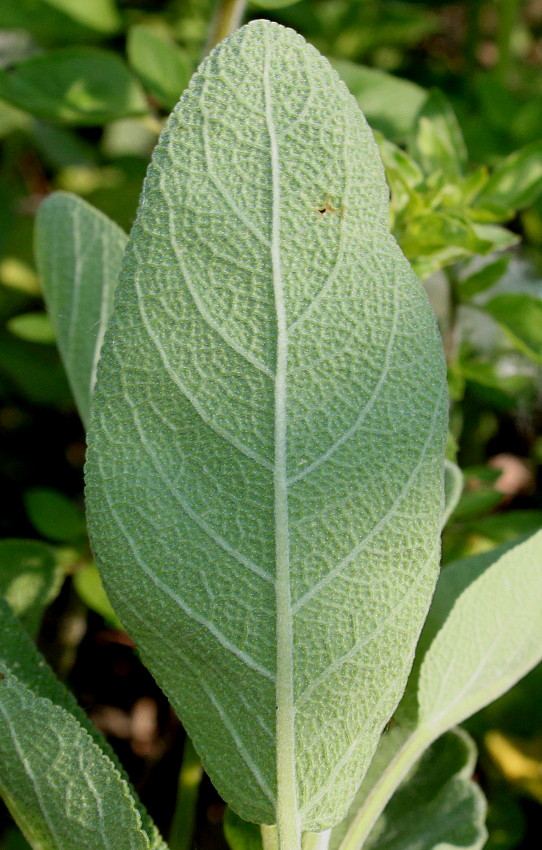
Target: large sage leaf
pixel 265 475
pixel 78 253
pixel 58 775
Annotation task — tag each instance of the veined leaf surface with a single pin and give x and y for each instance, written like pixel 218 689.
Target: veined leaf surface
pixel 265 476
pixel 78 252
pixel 58 775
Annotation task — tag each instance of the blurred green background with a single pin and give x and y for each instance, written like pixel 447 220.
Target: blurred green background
pixel 453 91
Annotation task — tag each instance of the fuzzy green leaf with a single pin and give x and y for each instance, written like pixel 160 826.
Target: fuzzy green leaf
pixel 62 790
pixel 38 688
pixel 265 474
pixel 436 805
pixel 78 254
pixel 482 634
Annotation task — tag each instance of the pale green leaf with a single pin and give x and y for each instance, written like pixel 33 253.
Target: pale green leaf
pixel 19 657
pixel 62 790
pixel 162 67
pixel 88 585
pixel 438 143
pixel 78 254
pixel 490 613
pixel 436 806
pixel 30 578
pixel 265 475
pixel 74 85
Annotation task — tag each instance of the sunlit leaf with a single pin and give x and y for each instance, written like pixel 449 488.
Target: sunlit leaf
pixel 78 254
pixel 266 328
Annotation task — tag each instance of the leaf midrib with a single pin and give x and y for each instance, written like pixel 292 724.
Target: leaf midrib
pixel 288 819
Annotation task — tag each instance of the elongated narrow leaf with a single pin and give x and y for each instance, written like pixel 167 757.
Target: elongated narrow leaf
pixel 453 487
pixel 265 477
pixel 483 633
pixel 78 253
pixel 62 790
pixel 58 776
pixel 436 805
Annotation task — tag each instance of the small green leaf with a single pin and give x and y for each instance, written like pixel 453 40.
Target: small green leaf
pixel 436 805
pixel 438 143
pixel 390 104
pixel 19 657
pixel 520 316
pixel 54 515
pixel 34 327
pixel 88 585
pixel 516 182
pixel 30 578
pixel 78 283
pixel 74 85
pixel 162 67
pixel 266 328
pixel 482 279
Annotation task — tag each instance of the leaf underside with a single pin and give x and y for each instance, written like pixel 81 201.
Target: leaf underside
pixel 265 476
pixel 78 253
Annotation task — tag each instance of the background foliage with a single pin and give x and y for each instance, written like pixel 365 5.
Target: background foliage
pixel 453 92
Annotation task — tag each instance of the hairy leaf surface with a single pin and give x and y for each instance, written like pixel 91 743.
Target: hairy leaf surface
pixel 78 252
pixel 436 805
pixel 265 477
pixel 37 691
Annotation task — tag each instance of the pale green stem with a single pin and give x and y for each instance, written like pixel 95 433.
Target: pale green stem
pixel 184 817
pixel 228 16
pixel 383 790
pixel 270 839
pixel 316 840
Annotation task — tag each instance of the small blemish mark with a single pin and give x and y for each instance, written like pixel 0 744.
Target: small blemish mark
pixel 327 207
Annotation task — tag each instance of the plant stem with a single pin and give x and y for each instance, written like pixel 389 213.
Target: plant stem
pixel 451 331
pixel 507 23
pixel 227 17
pixel 316 840
pixel 184 817
pixel 383 790
pixel 269 837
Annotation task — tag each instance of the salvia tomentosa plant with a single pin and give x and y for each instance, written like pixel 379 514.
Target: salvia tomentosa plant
pixel 265 487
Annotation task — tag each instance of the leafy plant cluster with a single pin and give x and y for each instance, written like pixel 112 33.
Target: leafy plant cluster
pixel 465 210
